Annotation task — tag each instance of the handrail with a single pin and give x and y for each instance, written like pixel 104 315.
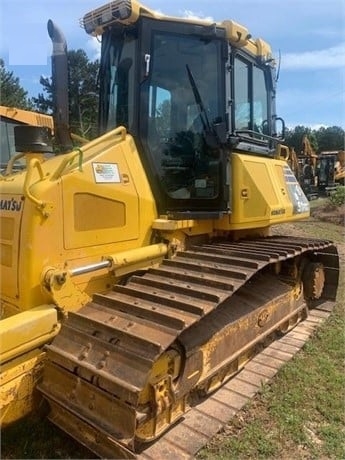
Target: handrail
pixel 79 152
pixel 120 130
pixel 11 162
pixel 67 160
pixel 41 205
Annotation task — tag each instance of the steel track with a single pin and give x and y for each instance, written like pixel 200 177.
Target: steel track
pixel 111 344
pixel 204 421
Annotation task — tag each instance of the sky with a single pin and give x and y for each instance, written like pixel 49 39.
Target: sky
pixel 307 35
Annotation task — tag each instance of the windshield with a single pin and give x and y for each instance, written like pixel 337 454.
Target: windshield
pixel 183 105
pixel 250 96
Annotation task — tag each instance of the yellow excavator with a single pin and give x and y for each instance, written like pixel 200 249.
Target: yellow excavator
pixel 339 175
pixel 318 175
pixel 138 271
pixel 10 117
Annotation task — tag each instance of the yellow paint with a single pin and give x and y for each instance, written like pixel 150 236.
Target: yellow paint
pixel 88 221
pixel 18 380
pixel 95 204
pixel 260 194
pixel 27 330
pixel 27 117
pixel 238 35
pixel 169 363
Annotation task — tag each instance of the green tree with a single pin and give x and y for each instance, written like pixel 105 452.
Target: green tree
pixel 294 138
pixel 322 139
pixel 45 103
pixel 12 94
pixel 82 94
pixel 330 138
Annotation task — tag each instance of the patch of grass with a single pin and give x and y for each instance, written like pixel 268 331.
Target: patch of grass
pixel 240 440
pixel 333 441
pixel 319 202
pixel 337 197
pixel 256 436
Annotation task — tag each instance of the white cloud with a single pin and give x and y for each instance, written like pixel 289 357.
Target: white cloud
pixel 315 126
pixel 330 58
pixel 94 45
pixel 188 14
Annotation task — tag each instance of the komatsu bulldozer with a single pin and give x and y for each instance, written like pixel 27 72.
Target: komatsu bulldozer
pixel 138 271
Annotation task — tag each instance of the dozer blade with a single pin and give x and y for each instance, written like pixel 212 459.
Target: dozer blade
pixel 126 366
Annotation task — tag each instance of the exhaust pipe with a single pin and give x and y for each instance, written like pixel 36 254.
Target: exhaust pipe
pixel 60 87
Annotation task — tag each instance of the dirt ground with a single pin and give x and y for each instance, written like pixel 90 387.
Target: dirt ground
pixel 321 211
pixel 329 213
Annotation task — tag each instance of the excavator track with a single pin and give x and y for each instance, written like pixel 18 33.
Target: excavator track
pixel 129 364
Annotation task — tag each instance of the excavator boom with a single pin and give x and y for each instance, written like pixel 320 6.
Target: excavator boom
pixel 10 117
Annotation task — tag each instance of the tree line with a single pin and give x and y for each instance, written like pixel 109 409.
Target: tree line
pixel 83 104
pixel 82 93
pixel 323 139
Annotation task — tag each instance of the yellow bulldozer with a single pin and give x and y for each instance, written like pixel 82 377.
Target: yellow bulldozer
pixel 138 271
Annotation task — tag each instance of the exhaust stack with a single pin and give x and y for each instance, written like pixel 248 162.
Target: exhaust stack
pixel 60 87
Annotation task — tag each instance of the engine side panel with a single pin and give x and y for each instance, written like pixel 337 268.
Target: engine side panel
pixel 264 192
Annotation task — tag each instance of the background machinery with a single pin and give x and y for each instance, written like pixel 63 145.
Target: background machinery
pixel 138 269
pixel 316 173
pixel 326 171
pixel 339 176
pixel 11 117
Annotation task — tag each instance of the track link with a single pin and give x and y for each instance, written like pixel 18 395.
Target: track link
pixel 210 415
pixel 104 355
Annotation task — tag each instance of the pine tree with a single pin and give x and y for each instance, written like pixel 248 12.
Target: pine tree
pixel 82 94
pixel 12 94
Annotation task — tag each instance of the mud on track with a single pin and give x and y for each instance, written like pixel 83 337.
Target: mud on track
pixel 206 419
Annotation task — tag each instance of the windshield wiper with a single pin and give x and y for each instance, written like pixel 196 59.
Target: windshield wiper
pixel 202 111
pixel 211 136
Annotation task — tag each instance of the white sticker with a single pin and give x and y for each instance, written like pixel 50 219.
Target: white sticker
pixel 106 172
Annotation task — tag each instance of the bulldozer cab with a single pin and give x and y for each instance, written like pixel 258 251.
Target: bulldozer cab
pixel 188 97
